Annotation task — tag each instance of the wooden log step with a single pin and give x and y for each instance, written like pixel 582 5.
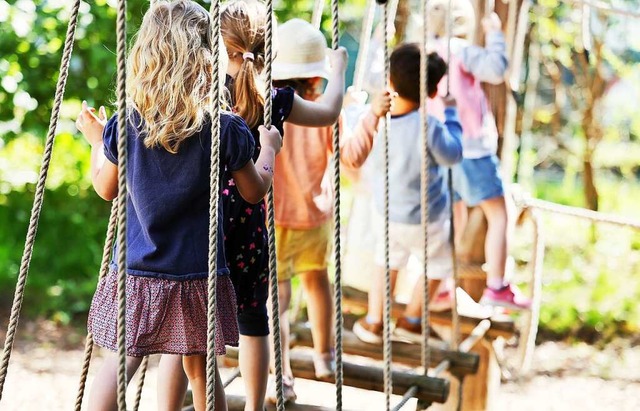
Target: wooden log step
pixel 365 377
pixel 504 327
pixel 402 352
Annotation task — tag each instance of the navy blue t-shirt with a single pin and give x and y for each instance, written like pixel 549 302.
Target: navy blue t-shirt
pixel 168 198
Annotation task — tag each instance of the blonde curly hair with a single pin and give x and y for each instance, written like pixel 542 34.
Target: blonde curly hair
pixel 170 72
pixel 463 18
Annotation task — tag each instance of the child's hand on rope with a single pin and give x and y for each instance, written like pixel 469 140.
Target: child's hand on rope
pixel 338 59
pixel 491 23
pixel 270 137
pixel 381 103
pixel 449 101
pixel 90 125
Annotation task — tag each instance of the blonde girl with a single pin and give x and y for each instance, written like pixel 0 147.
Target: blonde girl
pixel 169 139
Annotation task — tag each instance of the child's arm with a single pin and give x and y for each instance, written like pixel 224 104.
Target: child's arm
pixel 104 173
pixel 325 110
pixel 254 180
pixel 355 148
pixel 446 140
pixel 488 64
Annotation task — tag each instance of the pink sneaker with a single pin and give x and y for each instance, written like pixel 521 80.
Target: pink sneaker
pixel 509 297
pixel 443 301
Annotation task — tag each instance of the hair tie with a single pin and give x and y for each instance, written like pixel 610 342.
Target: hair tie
pixel 248 56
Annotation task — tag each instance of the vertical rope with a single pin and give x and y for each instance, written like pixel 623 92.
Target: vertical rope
pixel 271 223
pixel 335 38
pixel 121 34
pixel 214 185
pixel 104 268
pixel 316 17
pixel 424 187
pixel 365 42
pixel 143 373
pixel 387 278
pixel 454 311
pixel 39 195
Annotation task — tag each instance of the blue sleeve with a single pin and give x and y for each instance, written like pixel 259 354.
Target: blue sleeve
pixel 446 139
pixel 110 139
pixel 488 64
pixel 237 143
pixel 282 99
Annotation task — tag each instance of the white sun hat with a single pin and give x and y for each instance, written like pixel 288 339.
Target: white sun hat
pixel 302 52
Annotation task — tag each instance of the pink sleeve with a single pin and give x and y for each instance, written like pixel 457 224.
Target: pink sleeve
pixel 356 146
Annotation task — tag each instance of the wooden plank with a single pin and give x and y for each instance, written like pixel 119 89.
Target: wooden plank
pixel 366 377
pixel 405 353
pixel 355 298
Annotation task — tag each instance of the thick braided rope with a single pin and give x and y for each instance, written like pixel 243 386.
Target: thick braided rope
pixel 387 277
pixel 316 16
pixel 39 195
pixel 143 373
pixel 337 288
pixel 121 50
pixel 104 268
pixel 365 42
pixel 455 320
pixel 213 205
pixel 424 187
pixel 271 220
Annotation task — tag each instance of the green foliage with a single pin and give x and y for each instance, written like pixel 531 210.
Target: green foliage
pixel 67 252
pixel 68 245
pixel 590 288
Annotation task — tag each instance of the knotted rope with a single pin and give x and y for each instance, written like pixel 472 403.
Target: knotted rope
pixel 121 50
pixel 271 221
pixel 214 187
pixel 387 278
pixel 339 321
pixel 104 269
pixel 39 196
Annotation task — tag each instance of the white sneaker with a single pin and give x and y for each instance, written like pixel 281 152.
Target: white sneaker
pixel 288 394
pixel 325 365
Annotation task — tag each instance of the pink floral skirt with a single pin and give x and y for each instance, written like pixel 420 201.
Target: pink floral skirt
pixel 163 316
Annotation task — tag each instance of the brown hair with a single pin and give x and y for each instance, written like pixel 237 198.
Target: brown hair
pixel 405 71
pixel 304 87
pixel 243 25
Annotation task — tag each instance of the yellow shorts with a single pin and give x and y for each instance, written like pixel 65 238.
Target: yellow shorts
pixel 301 251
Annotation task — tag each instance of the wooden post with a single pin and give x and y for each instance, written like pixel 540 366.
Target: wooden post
pixel 480 389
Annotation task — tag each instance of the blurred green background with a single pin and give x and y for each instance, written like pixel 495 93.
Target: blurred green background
pixel 591 278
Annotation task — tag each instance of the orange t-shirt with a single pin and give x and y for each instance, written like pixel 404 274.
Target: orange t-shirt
pixel 303 185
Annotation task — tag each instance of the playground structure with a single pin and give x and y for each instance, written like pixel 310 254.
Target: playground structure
pixel 461 371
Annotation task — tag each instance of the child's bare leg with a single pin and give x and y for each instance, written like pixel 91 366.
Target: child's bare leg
pixel 414 308
pixel 172 383
pixel 196 369
pixel 104 390
pixel 376 294
pixel 460 219
pixel 254 367
pixel 284 293
pixel 495 210
pixel 320 307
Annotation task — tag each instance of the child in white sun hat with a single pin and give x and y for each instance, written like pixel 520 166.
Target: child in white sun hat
pixel 303 194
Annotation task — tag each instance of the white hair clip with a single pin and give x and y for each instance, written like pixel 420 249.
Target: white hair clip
pixel 248 56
